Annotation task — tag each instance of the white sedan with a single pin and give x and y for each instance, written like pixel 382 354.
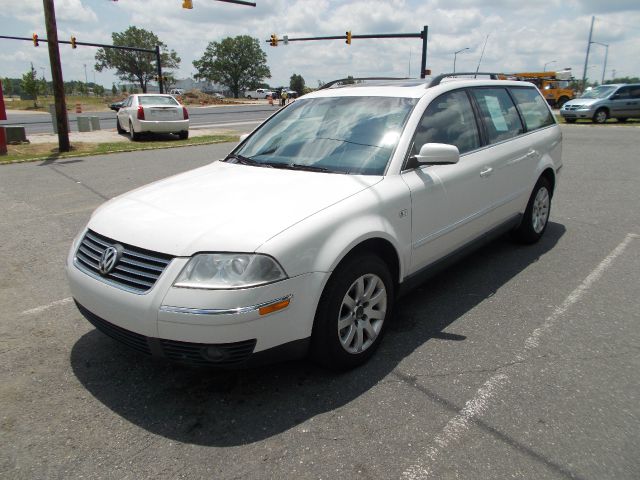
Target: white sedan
pixel 155 113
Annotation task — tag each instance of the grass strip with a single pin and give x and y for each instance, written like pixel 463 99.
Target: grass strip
pixel 49 151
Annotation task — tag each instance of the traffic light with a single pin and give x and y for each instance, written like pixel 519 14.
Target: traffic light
pixel 187 4
pixel 274 40
pixel 73 42
pixel 348 40
pixel 35 40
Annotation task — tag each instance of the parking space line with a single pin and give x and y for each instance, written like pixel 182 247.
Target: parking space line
pixel 459 424
pixel 42 308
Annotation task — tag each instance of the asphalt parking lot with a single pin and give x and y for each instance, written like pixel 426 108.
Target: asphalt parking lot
pixel 518 362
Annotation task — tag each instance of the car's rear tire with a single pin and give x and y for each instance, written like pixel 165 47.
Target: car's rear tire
pixel 601 115
pixel 118 127
pixel 561 101
pixel 183 135
pixel 353 311
pixel 134 136
pixel 536 216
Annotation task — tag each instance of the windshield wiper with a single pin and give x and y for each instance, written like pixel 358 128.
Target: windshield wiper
pixel 299 166
pixel 310 168
pixel 246 161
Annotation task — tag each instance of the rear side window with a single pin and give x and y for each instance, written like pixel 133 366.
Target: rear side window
pixel 448 119
pixel 533 107
pixel 498 113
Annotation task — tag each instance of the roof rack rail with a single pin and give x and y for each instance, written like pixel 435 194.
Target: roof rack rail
pixel 354 80
pixel 439 78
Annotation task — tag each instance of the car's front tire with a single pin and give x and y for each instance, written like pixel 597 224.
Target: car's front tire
pixel 353 311
pixel 600 116
pixel 536 216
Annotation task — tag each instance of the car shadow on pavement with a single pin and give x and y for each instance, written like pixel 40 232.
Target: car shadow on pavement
pixel 230 408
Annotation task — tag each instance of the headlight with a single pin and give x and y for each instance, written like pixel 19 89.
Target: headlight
pixel 229 270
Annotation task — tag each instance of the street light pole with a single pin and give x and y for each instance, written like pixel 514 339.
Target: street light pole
pixel 586 59
pixel 544 69
pixel 606 54
pixel 455 54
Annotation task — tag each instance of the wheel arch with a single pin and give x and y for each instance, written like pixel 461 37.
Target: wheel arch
pixel 380 247
pixel 550 175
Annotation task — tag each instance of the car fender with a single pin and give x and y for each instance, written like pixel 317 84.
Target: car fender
pixel 551 159
pixel 320 242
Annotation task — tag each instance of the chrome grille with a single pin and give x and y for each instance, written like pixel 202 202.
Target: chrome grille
pixel 136 271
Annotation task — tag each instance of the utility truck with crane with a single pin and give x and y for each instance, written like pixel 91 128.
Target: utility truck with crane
pixel 553 85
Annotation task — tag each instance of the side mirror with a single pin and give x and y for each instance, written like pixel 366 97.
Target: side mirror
pixel 243 137
pixel 438 154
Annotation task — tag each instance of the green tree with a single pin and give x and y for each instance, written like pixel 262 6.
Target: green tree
pixel 296 82
pixel 31 85
pixel 44 86
pixel 114 89
pixel 238 63
pixel 7 86
pixel 139 67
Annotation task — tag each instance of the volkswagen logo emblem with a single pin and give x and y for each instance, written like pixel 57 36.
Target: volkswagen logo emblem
pixel 109 259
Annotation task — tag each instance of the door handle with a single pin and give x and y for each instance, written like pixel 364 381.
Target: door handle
pixel 486 172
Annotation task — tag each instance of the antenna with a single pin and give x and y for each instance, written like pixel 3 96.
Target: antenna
pixel 482 54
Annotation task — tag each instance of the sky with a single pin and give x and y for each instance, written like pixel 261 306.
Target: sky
pixel 520 35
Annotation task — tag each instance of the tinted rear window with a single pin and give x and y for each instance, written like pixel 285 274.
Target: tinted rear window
pixel 533 107
pixel 157 100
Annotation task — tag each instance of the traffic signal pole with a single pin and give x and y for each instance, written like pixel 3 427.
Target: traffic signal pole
pixel 56 68
pixel 347 37
pixel 423 68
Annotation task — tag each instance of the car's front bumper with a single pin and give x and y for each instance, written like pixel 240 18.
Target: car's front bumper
pixel 575 114
pixel 170 319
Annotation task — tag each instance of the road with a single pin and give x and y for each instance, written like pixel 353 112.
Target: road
pixel 518 362
pixel 240 117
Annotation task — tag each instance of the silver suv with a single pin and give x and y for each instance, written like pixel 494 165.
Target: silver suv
pixel 619 101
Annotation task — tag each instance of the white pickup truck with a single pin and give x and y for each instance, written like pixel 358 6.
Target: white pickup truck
pixel 259 93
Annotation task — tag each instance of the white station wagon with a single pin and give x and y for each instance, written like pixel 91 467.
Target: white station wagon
pixel 300 240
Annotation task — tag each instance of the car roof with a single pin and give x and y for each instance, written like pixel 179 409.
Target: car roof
pixel 409 88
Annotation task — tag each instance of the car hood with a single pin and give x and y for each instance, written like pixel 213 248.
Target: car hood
pixel 221 207
pixel 582 101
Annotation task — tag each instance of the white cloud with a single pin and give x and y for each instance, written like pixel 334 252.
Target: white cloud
pixel 522 35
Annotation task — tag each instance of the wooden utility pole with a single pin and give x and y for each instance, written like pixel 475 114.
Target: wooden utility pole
pixel 56 75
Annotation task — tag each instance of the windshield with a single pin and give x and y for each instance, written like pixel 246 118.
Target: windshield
pixel 340 135
pixel 599 92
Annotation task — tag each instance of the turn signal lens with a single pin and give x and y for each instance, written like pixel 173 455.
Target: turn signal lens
pixel 274 307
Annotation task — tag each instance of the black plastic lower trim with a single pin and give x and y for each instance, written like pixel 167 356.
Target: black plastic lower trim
pixel 218 355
